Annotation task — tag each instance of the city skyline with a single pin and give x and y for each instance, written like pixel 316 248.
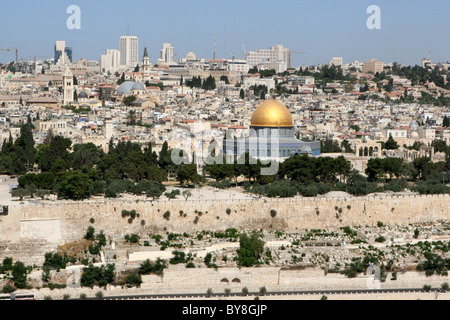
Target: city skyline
pixel 322 29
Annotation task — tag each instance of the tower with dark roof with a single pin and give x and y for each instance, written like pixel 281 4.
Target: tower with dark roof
pixel 146 64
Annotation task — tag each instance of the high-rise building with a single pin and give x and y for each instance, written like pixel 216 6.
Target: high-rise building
pixel 166 55
pixel 63 54
pixel 373 66
pixel 129 51
pixel 110 61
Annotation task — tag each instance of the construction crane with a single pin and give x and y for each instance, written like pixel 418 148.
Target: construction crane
pixel 7 49
pixel 17 54
pixel 293 52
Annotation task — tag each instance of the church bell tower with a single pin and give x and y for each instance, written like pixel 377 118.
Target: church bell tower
pixel 67 87
pixel 146 64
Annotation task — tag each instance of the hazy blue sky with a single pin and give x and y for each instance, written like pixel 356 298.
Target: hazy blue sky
pixel 323 29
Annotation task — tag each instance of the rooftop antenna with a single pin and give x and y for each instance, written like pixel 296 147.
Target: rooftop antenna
pixel 128 28
pixel 225 42
pixel 214 54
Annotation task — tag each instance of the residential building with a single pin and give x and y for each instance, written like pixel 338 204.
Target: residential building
pixel 277 54
pixel 166 55
pixel 336 61
pixel 110 61
pixel 373 66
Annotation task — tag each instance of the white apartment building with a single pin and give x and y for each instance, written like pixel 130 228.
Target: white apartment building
pixel 301 80
pixel 443 134
pixel 336 61
pixel 395 133
pixel 252 81
pixel 238 65
pixel 277 53
pixel 166 55
pixel 279 66
pixel 110 61
pixel 58 127
pixel 427 133
pixel 129 51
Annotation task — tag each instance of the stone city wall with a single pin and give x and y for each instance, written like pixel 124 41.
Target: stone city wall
pixel 64 221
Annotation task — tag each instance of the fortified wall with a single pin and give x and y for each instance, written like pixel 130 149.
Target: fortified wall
pixel 54 223
pixel 65 221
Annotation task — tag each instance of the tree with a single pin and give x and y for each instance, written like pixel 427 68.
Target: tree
pixel 133 278
pixel 446 122
pixel 225 79
pixel 74 185
pixel 128 100
pixel 348 87
pixel 250 249
pixel 155 190
pixel 134 166
pixel 165 158
pixel 242 94
pixel 188 173
pixel 19 275
pixel 157 267
pixel 150 156
pixel 100 276
pixel 221 171
pixel 121 80
pixel 391 144
pixel 85 155
pixel 186 194
pixel 58 150
pixel 20 193
pixel 209 83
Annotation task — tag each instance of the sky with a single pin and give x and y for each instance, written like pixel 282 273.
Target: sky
pixel 410 29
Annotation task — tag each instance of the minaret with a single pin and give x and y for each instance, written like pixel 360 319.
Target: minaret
pixel 146 64
pixel 67 87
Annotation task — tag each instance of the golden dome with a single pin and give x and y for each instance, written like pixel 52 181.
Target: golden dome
pixel 271 113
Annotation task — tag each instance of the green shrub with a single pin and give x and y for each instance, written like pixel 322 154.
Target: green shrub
pixel 166 215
